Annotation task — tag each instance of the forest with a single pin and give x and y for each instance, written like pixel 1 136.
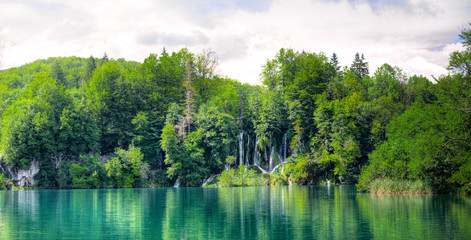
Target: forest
pixel 71 122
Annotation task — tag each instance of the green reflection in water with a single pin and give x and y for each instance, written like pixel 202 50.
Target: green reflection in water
pixel 313 212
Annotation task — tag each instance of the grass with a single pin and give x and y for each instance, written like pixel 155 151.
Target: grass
pixel 389 186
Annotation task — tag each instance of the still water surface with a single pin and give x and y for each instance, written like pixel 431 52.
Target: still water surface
pixel 308 212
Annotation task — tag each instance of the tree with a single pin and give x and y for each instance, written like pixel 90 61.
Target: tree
pixel 89 68
pixel 204 83
pixel 460 61
pixel 30 125
pixel 218 130
pixel 78 132
pixel 114 103
pixel 359 66
pixel 189 90
pixel 279 72
pixel 124 167
pixel 170 144
pixel 58 73
pixel 430 143
pixel 334 61
pixel 104 59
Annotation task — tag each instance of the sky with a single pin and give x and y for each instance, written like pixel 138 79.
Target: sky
pixel 415 35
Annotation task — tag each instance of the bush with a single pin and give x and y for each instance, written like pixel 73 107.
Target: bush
pixel 83 177
pixel 241 177
pixel 277 179
pixel 389 186
pixel 3 182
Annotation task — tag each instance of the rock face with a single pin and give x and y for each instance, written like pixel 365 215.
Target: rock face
pixel 24 177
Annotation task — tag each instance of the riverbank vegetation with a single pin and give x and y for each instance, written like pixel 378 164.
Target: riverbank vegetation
pixel 100 122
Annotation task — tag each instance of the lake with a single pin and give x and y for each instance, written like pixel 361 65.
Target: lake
pixel 288 212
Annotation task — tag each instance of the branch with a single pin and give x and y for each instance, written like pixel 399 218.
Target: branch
pixel 452 140
pixel 464 109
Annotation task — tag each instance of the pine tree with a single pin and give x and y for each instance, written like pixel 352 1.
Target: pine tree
pixel 58 72
pixel 359 66
pixel 335 62
pixel 104 59
pixel 89 67
pixel 188 94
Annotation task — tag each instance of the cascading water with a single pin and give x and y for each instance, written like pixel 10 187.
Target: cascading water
pixel 284 148
pixel 241 148
pixel 270 164
pixel 265 153
pixel 209 180
pixel 177 184
pixel 281 154
pixel 261 169
pixel 247 152
pixel 256 157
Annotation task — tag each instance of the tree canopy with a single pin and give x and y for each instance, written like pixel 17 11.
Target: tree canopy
pixel 100 122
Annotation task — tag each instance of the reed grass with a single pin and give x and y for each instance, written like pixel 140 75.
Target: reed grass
pixel 390 186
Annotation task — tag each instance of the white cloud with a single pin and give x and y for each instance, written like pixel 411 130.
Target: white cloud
pixel 416 35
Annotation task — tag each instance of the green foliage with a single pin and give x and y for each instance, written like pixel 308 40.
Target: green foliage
pixel 460 61
pixel 76 115
pixel 388 186
pixel 359 66
pixel 278 179
pixel 78 132
pixel 430 143
pixel 5 183
pixel 230 160
pixel 81 177
pixel 89 68
pixel 240 177
pixel 89 174
pixel 218 131
pixel 186 159
pixel 124 167
pixel 296 169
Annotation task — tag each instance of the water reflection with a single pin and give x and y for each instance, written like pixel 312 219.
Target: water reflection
pixel 314 212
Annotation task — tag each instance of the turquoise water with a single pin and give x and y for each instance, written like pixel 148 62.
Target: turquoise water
pixel 308 212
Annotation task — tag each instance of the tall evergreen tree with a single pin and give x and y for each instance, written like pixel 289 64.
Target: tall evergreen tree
pixel 360 66
pixel 89 67
pixel 189 90
pixel 335 62
pixel 104 59
pixel 58 72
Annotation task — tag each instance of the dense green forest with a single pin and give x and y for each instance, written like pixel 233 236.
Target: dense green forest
pixel 100 123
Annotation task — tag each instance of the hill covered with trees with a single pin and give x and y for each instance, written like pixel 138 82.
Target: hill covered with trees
pixel 98 122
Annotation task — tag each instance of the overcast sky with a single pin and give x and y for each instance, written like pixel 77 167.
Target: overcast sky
pixel 415 35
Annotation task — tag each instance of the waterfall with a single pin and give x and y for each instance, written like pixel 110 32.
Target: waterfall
pixel 284 148
pixel 271 156
pixel 209 180
pixel 177 184
pixel 247 152
pixel 266 157
pixel 261 169
pixel 256 160
pixel 241 148
pixel 227 167
pixel 280 154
